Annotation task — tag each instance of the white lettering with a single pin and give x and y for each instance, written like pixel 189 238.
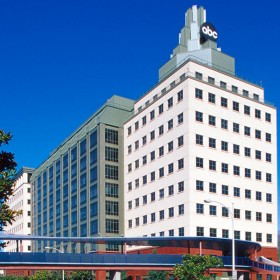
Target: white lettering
pixel 208 31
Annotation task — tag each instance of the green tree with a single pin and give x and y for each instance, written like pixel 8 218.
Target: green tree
pixel 194 267
pixel 81 275
pixel 157 275
pixel 7 173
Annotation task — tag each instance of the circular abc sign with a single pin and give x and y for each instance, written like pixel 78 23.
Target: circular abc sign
pixel 208 32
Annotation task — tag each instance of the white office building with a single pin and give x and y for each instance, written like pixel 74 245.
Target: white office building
pixel 201 134
pixel 21 200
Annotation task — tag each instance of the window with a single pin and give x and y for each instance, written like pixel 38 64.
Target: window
pixel 160 109
pixel 268 177
pixel 180 96
pixel 211 80
pixel 129 130
pixel 199 208
pixel 161 193
pixel 170 146
pixel 160 130
pixel 112 226
pixel 247 152
pixel 224 211
pixel 245 93
pixel 212 210
pixel 236 127
pixel 129 149
pixel 247 193
pixel 223 84
pixel 224 102
pixel 258 175
pixel 199 139
pixel 211 98
pixel 236 170
pixel 212 120
pixel 247 110
pixel 268 137
pixel 257 113
pixel 170 190
pixel 199 116
pixel 161 151
pixel 181 231
pixel 144 160
pixel 224 146
pixel 136 144
pixel 111 172
pixel 235 106
pixel 212 187
pixel 112 208
pixel 237 213
pixel 111 154
pixel 236 234
pixel 144 140
pixel 181 209
pixel 198 93
pixel 225 189
pixel 199 185
pixel 161 214
pixel 170 124
pixel 161 172
pixel 247 173
pixel 180 141
pixel 171 212
pixel 225 233
pixel 152 135
pixel 236 192
pixel 268 117
pixel 236 149
pixel 170 102
pixel 180 163
pixel 258 237
pixel 258 134
pixel 212 165
pixel 213 232
pixel 269 218
pixel 153 176
pixel 269 238
pixel 234 89
pixel 268 157
pixel 152 115
pixel 248 215
pixel 153 217
pixel 198 75
pixel 224 124
pixel 258 195
pixel 258 216
pixel 136 183
pixel 199 231
pixel 144 120
pixel 144 219
pixel 111 136
pixel 248 236
pixel 212 142
pixel 144 199
pixel 224 167
pixel 247 131
pixel 181 186
pixel 153 196
pixel 136 126
pixel 153 155
pixel 137 222
pixel 180 118
pixel 268 197
pixel 199 162
pixel 111 190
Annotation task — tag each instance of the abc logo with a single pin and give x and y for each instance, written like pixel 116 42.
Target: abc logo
pixel 208 32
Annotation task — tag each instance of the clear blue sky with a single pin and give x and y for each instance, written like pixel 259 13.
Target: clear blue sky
pixel 62 59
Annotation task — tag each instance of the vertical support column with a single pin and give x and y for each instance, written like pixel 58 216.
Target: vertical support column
pixel 200 248
pixel 100 274
pixel 17 247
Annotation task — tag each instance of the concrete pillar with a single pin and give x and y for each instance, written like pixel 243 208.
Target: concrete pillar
pixel 100 275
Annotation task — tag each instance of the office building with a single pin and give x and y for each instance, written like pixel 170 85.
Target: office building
pixel 78 190
pixel 202 134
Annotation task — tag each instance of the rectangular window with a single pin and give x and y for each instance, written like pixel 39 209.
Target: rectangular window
pixel 111 172
pixel 111 154
pixel 144 199
pixel 237 213
pixel 180 163
pixel 212 142
pixel 236 170
pixel 160 109
pixel 170 190
pixel 180 118
pixel 199 185
pixel 136 126
pixel 144 160
pixel 199 139
pixel 153 176
pixel 153 217
pixel 111 136
pixel 225 189
pixel 269 238
pixel 112 226
pixel 258 175
pixel 234 89
pixel 224 102
pixel 152 115
pixel 257 113
pixel 247 152
pixel 161 172
pixel 161 151
pixel 136 145
pixel 161 214
pixel 258 134
pixel 268 177
pixel 181 231
pixel 213 232
pixel 268 157
pixel 268 137
pixel 223 84
pixel 198 93
pixel 199 231
pixel 198 75
pixel 236 192
pixel 269 218
pixel 180 141
pixel 170 102
pixel 111 190
pixel 212 165
pixel 248 236
pixel 235 106
pixel 180 96
pixel 247 110
pixel 212 210
pixel 171 212
pixel 258 216
pixel 199 208
pixel 225 233
pixel 144 120
pixel 248 215
pixel 170 124
pixel 268 197
pixel 211 98
pixel 247 193
pixel 153 155
pixel 236 127
pixel 181 209
pixel 211 80
pixel 224 146
pixel 236 149
pixel 247 173
pixel 259 239
pixel 212 120
pixel 170 146
pixel 247 131
pixel 258 195
pixel 181 186
pixel 144 140
pixel 236 234
pixel 224 167
pixel 212 187
pixel 160 130
pixel 198 116
pixel 153 196
pixel 224 124
pixel 268 117
pixel 199 162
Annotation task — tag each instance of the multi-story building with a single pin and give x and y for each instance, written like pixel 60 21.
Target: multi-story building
pixel 20 200
pixel 202 134
pixel 78 190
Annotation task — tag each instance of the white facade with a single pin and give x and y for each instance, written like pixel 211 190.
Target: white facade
pixel 188 160
pixel 21 200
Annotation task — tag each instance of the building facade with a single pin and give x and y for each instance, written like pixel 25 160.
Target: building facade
pixel 202 135
pixel 78 191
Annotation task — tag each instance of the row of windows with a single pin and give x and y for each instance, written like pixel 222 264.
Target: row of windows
pixel 212 187
pixel 161 151
pixel 161 195
pixel 235 105
pixel 212 164
pixel 152 115
pixel 237 234
pixel 237 213
pixel 224 146
pixel 235 126
pixel 161 216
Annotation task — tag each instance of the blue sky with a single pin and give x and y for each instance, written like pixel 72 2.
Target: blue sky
pixel 60 60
